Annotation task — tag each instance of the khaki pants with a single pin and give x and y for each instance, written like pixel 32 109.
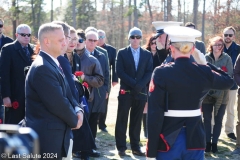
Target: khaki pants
pixel 69 155
pixel 229 125
pixel 238 123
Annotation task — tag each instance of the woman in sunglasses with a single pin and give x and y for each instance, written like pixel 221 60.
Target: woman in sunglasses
pixel 216 100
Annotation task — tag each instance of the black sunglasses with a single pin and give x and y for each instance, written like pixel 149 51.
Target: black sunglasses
pixel 229 35
pixel 133 37
pixel 152 43
pixel 1 25
pixel 80 40
pixel 24 35
pixel 92 40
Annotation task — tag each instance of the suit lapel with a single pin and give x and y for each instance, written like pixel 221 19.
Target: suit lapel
pixel 49 59
pixel 20 51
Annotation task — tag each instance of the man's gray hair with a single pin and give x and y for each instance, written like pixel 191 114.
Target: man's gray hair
pixel 92 33
pixel 101 31
pixel 22 26
pixel 47 28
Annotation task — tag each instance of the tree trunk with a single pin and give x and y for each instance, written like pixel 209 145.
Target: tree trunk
pixel 169 10
pixel 122 24
pixel 74 13
pixel 51 10
pixel 150 10
pixel 33 16
pixel 179 11
pixel 195 12
pixel 165 10
pixel 130 15
pixel 14 18
pixel 203 21
pixel 228 11
pixel 38 17
pixel 135 21
pixel 104 5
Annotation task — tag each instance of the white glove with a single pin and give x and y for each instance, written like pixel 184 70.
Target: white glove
pixel 199 57
pixel 147 158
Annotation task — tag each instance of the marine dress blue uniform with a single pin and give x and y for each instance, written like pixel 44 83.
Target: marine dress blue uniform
pixel 175 128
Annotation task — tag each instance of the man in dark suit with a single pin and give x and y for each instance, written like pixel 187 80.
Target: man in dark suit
pixel 112 58
pixel 50 108
pixel 134 68
pixel 15 57
pixel 3 40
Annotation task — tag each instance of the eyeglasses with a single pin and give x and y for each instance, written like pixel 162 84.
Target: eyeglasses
pixel 73 39
pixel 80 40
pixel 24 35
pixel 218 45
pixel 229 35
pixel 152 43
pixel 69 38
pixel 101 37
pixel 133 37
pixel 1 25
pixel 92 40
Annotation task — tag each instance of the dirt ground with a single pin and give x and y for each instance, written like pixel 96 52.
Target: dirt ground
pixel 106 142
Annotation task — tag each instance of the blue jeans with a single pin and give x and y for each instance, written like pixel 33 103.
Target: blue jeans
pixel 207 117
pixel 179 150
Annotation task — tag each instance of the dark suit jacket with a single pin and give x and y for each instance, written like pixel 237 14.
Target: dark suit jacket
pixel 200 46
pixel 12 63
pixel 112 61
pixel 130 78
pixel 49 106
pixel 5 40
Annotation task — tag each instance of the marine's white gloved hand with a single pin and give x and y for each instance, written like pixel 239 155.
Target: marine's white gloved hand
pixel 199 57
pixel 147 158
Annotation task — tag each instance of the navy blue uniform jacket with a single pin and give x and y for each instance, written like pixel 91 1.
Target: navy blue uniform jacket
pixel 180 86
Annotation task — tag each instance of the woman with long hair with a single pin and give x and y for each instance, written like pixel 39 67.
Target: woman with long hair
pixel 216 100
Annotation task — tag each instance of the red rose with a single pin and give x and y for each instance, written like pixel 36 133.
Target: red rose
pixel 122 91
pixel 224 68
pixel 85 84
pixel 15 104
pixel 78 73
pixel 0 121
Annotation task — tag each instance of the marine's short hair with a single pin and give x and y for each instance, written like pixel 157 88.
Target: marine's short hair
pixel 47 28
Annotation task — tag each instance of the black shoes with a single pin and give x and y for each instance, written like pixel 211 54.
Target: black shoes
pixel 138 153
pixel 208 147
pixel 121 153
pixel 214 148
pixel 94 153
pixel 232 136
pixel 104 130
pixel 82 156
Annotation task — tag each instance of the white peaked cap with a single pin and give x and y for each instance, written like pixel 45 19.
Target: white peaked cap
pixel 182 34
pixel 163 24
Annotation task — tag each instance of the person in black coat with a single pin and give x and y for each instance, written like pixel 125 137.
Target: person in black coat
pixel 134 68
pixel 50 107
pixel 15 57
pixel 113 76
pixel 175 127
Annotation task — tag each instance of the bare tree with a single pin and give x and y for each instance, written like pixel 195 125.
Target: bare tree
pixel 195 12
pixel 228 11
pixel 130 14
pixel 74 13
pixel 122 24
pixel 14 17
pixel 135 21
pixel 179 10
pixel 51 10
pixel 203 20
pixel 150 10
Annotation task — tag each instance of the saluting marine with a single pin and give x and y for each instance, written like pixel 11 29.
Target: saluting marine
pixel 175 127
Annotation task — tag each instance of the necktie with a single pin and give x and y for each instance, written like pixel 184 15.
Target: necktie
pixel 135 57
pixel 61 69
pixel 27 52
